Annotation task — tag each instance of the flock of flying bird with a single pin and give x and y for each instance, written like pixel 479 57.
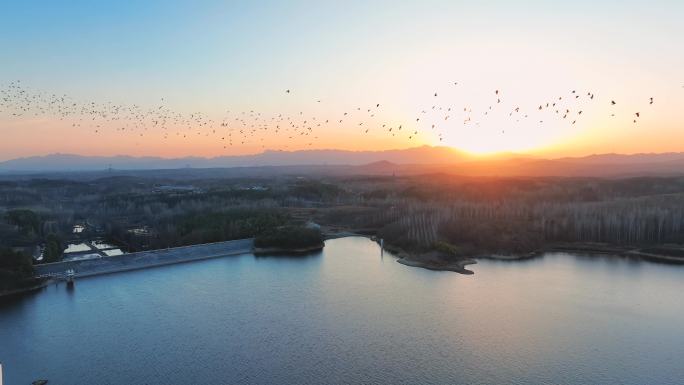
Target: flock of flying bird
pixel 298 129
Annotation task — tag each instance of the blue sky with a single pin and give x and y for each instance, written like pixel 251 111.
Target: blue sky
pixel 172 44
pixel 205 55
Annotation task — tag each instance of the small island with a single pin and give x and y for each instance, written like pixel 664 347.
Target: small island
pixel 290 239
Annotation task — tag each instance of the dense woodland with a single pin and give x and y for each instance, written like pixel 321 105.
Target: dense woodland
pixel 290 238
pixel 16 269
pixel 513 215
pixel 469 215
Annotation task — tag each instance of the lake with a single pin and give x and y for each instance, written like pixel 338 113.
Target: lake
pixel 350 315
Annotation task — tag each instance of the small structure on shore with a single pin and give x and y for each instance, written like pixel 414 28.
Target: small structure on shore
pixel 70 274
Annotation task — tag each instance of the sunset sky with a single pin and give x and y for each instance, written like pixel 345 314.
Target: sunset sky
pixel 216 56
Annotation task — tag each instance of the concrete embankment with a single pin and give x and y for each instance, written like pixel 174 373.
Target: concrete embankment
pixel 146 259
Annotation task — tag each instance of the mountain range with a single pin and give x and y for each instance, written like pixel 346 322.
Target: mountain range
pixel 423 159
pixel 70 162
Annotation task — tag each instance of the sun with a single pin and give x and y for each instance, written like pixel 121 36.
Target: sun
pixel 488 143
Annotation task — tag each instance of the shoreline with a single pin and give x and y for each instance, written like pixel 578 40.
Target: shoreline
pixel 261 251
pixel 455 266
pixel 511 257
pixel 146 259
pixel 25 290
pixel 431 260
pixel 434 260
pixel 621 251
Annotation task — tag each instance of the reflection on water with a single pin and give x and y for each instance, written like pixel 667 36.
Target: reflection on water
pixel 348 315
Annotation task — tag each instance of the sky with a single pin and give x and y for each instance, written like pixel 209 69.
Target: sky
pixel 210 57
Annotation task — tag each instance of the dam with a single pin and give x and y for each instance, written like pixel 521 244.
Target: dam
pixel 143 259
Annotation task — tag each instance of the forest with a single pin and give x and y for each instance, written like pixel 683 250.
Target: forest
pixel 467 216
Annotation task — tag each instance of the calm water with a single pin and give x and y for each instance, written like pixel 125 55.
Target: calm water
pixel 350 316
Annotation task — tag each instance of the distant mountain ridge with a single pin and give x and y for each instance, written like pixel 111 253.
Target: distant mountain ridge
pixel 625 159
pixel 415 160
pixel 70 162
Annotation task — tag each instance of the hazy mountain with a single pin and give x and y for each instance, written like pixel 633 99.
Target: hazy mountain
pixel 591 166
pixel 337 162
pixel 628 159
pixel 69 162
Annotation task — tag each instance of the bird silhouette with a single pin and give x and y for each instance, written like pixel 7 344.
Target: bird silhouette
pixel 252 126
